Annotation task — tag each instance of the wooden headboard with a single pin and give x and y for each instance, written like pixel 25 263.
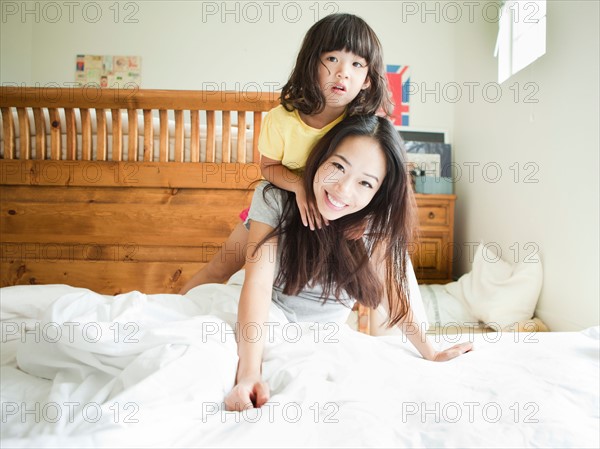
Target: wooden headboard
pixel 120 190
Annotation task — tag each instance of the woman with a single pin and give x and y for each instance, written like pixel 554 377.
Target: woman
pixel 356 177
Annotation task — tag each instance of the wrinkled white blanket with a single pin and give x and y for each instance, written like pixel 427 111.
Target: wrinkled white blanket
pixel 85 370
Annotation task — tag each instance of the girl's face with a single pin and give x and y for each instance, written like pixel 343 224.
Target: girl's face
pixel 348 180
pixel 342 75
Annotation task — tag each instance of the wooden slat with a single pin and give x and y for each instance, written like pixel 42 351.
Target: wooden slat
pixel 257 125
pixel 117 135
pixel 138 99
pixel 111 223
pixel 241 137
pixel 102 277
pixel 364 319
pixel 128 174
pixel 92 251
pixel 123 195
pixel 86 135
pixel 132 135
pixel 179 136
pixel 101 135
pixel 71 126
pixel 24 134
pixel 226 137
pixel 40 133
pixel 195 136
pixel 210 136
pixel 8 129
pixel 164 135
pixel 55 134
pixel 148 136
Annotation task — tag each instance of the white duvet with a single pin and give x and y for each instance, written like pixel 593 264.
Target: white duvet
pixel 85 370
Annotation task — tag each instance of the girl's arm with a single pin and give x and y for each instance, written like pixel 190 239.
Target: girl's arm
pixel 253 310
pixel 281 176
pixel 278 174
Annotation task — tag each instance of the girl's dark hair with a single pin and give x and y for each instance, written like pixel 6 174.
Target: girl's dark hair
pixel 334 33
pixel 326 256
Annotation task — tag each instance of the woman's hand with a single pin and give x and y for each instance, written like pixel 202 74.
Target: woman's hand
pixel 454 351
pixel 309 214
pixel 249 392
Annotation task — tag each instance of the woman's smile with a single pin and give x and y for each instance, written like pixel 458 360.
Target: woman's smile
pixel 334 203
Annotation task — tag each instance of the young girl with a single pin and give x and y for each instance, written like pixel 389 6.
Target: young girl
pixel 339 72
pixel 355 174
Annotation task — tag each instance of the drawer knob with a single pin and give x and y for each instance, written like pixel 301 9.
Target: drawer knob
pixel 431 215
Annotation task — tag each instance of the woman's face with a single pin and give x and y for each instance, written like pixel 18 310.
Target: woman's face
pixel 348 180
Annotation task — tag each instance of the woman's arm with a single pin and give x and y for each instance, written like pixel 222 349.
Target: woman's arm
pixel 414 324
pixel 253 310
pixel 281 176
pixel 418 338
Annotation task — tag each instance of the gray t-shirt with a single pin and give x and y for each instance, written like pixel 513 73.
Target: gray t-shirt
pixel 306 306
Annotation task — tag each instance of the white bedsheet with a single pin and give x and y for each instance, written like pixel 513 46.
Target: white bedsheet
pixel 156 374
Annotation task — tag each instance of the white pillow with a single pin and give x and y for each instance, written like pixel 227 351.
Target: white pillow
pixel 444 309
pixel 497 292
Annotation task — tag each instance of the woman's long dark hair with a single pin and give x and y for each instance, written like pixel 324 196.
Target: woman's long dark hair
pixel 326 256
pixel 337 32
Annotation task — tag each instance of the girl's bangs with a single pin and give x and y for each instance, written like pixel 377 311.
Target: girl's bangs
pixel 355 39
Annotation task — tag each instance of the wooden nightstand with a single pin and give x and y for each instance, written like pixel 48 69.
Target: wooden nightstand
pixel 432 253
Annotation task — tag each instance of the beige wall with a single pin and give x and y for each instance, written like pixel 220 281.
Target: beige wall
pixel 195 45
pixel 551 206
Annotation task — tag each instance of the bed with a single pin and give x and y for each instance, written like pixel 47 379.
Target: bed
pixel 117 190
pixel 81 369
pixel 120 190
pixel 112 199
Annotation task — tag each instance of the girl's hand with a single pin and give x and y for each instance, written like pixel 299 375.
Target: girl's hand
pixel 248 393
pixel 454 351
pixel 309 214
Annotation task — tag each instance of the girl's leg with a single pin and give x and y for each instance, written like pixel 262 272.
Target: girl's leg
pixel 230 259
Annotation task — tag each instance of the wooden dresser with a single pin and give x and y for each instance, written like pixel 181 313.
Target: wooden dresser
pixel 432 253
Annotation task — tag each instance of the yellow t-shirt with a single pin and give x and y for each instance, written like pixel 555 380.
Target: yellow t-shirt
pixel 285 137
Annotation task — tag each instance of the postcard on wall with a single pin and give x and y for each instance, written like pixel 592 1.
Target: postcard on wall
pixel 108 71
pixel 399 82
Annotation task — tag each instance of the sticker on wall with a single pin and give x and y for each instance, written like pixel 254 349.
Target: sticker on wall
pixel 113 72
pixel 399 80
